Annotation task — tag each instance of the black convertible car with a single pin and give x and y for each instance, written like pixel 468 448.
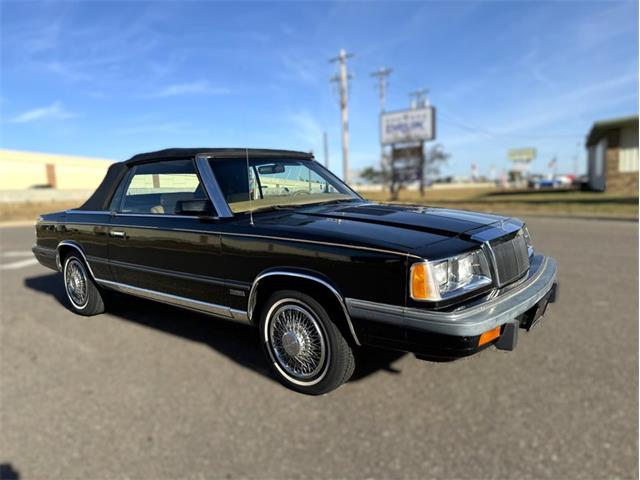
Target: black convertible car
pixel 273 239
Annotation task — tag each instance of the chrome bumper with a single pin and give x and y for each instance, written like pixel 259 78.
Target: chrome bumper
pixel 470 321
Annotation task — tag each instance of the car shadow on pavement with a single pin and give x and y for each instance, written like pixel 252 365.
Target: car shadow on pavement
pixel 8 472
pixel 236 341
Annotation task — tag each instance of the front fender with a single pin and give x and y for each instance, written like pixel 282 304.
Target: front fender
pixel 299 273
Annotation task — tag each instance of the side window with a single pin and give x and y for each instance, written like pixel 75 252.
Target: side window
pixel 116 200
pixel 156 188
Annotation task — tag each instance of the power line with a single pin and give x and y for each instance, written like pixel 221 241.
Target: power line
pixel 472 128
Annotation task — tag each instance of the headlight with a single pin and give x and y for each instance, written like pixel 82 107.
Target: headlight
pixel 443 279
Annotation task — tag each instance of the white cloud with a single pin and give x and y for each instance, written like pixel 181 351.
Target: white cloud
pixel 55 111
pixel 51 42
pixel 525 119
pixel 193 88
pixel 68 71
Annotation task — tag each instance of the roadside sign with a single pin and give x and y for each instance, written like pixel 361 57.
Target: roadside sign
pixel 406 126
pixel 407 162
pixel 412 153
pixel 521 154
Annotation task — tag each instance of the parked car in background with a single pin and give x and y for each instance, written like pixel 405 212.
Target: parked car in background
pixel 534 180
pixel 565 180
pixel 272 239
pixel 581 182
pixel 539 183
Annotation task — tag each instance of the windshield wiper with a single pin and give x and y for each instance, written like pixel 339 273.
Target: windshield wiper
pixel 269 208
pixel 338 200
pixel 295 205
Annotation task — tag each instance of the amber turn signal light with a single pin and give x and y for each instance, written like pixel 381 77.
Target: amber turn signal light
pixel 419 281
pixel 489 335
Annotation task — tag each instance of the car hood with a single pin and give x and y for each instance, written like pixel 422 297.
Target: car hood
pixel 405 228
pixel 441 221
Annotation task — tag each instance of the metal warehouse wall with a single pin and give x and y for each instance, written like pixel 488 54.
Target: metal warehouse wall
pixel 24 170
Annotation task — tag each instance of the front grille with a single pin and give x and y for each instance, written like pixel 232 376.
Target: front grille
pixel 512 259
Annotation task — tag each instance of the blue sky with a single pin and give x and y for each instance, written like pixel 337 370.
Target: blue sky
pixel 110 79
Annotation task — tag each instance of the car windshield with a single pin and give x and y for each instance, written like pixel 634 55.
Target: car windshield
pixel 269 183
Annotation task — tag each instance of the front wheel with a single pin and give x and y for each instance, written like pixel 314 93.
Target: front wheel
pixel 304 346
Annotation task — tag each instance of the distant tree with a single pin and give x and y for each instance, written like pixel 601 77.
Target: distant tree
pixel 433 160
pixel 372 175
pixel 418 168
pixel 407 170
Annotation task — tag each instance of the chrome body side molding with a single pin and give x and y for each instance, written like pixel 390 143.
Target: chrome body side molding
pixel 152 215
pixel 240 316
pixel 121 214
pixel 254 292
pixel 222 311
pixel 183 302
pixel 75 211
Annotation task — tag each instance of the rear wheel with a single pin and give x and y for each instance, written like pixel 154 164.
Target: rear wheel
pixel 82 292
pixel 304 346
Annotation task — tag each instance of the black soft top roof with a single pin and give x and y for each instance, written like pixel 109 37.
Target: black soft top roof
pixel 101 197
pixel 217 152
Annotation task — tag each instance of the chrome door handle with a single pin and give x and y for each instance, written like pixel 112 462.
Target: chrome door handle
pixel 117 233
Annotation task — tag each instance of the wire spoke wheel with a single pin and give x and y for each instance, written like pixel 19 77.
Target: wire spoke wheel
pixel 304 346
pixel 75 281
pixel 297 341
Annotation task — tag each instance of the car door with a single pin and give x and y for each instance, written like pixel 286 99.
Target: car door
pixel 154 249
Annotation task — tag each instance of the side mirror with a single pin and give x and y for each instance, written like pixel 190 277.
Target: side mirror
pixel 194 207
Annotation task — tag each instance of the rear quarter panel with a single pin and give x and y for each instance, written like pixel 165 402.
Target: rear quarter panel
pixel 89 231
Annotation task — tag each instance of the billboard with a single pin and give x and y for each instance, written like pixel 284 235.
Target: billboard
pixel 521 154
pixel 408 126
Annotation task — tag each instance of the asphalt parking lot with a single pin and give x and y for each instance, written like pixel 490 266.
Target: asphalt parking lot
pixel 151 392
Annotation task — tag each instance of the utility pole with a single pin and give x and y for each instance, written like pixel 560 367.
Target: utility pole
pixel 343 85
pixel 382 75
pixel 420 101
pixel 325 141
